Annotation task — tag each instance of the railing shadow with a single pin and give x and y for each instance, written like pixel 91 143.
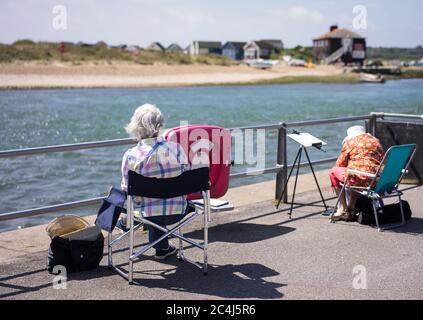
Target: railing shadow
pixel 20 288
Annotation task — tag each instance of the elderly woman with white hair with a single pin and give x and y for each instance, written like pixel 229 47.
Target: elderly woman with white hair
pixel 360 151
pixel 154 157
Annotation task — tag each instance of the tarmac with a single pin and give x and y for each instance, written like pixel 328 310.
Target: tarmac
pixel 255 252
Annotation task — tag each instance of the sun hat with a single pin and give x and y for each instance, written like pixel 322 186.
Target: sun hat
pixel 353 132
pixel 66 225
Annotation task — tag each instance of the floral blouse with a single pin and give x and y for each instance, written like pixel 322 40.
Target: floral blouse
pixel 363 153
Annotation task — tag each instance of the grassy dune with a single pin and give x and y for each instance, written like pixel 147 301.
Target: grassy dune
pixel 26 50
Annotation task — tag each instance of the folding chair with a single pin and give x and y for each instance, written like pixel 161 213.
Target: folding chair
pixel 385 181
pixel 189 182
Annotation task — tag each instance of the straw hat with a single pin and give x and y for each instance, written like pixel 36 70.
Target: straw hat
pixel 65 226
pixel 353 132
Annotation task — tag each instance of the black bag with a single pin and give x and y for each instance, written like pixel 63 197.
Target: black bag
pixel 387 214
pixel 110 209
pixel 75 255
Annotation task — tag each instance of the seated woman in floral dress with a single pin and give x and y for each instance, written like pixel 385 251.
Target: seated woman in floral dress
pixel 360 151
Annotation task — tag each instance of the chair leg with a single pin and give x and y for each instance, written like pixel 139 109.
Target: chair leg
pixel 337 203
pixel 181 247
pixel 390 227
pixel 206 231
pixel 376 215
pixel 109 251
pixel 130 216
pixel 402 210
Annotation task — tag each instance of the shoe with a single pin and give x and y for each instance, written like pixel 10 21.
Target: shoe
pixel 121 225
pixel 163 254
pixel 342 215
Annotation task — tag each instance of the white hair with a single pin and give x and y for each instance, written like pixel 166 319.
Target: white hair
pixel 145 122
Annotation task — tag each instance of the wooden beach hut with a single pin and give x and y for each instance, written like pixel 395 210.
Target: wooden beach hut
pixel 174 47
pixel 234 50
pixel 262 49
pixel 205 47
pixel 340 45
pixel 156 46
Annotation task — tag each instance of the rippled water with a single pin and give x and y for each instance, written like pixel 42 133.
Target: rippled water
pixel 49 117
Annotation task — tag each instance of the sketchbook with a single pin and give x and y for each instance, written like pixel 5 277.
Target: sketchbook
pixel 307 140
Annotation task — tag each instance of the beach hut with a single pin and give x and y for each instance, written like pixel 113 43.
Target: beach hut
pixel 260 50
pixel 120 46
pixel 187 50
pixel 205 47
pixel 233 50
pixel 156 46
pixel 174 48
pixel 133 48
pixel 276 43
pixel 340 45
pixel 85 45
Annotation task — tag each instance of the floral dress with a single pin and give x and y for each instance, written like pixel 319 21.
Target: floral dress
pixel 362 153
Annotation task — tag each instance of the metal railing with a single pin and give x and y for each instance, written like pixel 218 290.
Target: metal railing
pixel 281 168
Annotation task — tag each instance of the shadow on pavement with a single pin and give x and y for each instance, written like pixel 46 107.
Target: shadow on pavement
pixel 245 281
pixel 236 232
pixel 19 289
pixel 414 227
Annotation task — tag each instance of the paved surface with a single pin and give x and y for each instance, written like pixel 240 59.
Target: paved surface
pixel 254 253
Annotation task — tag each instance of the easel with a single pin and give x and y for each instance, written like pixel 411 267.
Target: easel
pixel 305 141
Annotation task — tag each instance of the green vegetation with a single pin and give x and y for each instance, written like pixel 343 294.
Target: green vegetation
pixel 27 50
pixel 299 52
pixel 335 79
pixel 395 53
pixel 342 78
pixel 407 74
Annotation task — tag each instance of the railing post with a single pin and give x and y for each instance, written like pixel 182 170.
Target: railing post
pixel 372 124
pixel 282 175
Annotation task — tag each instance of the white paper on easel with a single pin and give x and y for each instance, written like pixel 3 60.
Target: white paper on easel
pixel 306 140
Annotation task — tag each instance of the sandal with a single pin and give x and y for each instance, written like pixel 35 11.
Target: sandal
pixel 342 215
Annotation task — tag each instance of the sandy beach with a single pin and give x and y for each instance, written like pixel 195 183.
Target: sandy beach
pixel 58 75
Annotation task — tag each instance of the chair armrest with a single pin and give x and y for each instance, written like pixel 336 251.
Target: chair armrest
pixel 361 173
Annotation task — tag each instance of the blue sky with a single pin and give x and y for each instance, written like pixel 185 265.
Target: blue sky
pixel 390 23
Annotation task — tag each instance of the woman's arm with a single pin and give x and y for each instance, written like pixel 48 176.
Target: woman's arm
pixel 124 171
pixel 343 157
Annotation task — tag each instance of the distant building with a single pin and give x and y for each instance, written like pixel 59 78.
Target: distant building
pixel 340 45
pixel 205 47
pixel 233 50
pixel 174 48
pixel 187 50
pixel 261 49
pixel 85 45
pixel 277 44
pixel 155 46
pixel 120 46
pixel 133 49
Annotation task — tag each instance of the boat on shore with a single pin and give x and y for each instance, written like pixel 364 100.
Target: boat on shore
pixel 261 63
pixel 372 78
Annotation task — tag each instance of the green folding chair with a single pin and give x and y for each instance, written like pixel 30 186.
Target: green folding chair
pixel 385 181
